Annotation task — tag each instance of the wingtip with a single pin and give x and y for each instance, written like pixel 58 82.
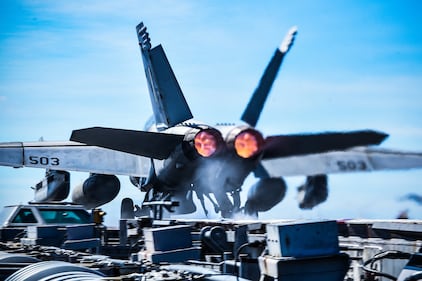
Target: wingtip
pixel 76 134
pixel 376 137
pixel 383 136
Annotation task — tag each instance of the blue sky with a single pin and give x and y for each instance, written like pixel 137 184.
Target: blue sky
pixel 354 65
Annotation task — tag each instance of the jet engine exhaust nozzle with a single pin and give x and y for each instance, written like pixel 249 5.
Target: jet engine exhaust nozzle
pixel 248 143
pixel 205 143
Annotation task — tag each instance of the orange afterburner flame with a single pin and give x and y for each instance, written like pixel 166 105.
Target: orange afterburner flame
pixel 247 144
pixel 205 143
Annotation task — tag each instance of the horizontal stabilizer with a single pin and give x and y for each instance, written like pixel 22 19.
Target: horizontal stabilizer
pixel 358 159
pixel 147 144
pixel 72 156
pixel 291 145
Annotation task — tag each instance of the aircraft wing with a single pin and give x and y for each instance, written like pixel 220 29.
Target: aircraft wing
pixel 72 156
pixel 359 159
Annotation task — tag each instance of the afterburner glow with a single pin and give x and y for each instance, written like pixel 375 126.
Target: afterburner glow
pixel 247 144
pixel 205 143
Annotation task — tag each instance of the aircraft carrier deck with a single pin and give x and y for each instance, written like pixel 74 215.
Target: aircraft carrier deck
pixel 147 249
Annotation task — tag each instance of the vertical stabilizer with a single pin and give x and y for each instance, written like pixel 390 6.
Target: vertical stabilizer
pixel 168 103
pixel 257 101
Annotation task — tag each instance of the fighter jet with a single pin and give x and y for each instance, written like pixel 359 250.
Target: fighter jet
pixel 177 156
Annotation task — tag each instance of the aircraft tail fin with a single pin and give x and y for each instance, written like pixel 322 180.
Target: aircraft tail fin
pixel 257 101
pixel 168 103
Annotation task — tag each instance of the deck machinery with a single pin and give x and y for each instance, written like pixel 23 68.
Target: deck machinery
pixel 147 249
